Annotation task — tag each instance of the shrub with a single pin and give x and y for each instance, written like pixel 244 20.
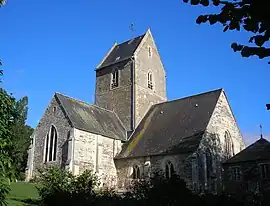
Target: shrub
pixel 160 191
pixel 57 186
pixel 54 185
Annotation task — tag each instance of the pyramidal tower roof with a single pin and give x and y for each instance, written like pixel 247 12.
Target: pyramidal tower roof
pixel 122 51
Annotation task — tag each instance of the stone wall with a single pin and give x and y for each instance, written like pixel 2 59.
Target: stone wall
pixel 118 99
pixel 213 143
pixel 55 116
pixel 144 96
pixel 96 152
pixel 222 120
pixel 149 165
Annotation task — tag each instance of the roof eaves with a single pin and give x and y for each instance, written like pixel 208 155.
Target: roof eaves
pixel 155 155
pixel 98 133
pixel 116 62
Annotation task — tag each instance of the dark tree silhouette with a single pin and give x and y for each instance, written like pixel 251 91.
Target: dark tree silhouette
pixel 2 2
pixel 268 106
pixel 250 15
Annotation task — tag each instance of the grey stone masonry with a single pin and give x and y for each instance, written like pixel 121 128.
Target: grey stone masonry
pixel 118 99
pixel 53 116
pixel 145 97
pixel 132 98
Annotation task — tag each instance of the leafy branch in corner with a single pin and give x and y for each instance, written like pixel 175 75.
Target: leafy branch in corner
pixel 249 15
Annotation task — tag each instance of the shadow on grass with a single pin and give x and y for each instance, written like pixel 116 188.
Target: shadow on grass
pixel 29 201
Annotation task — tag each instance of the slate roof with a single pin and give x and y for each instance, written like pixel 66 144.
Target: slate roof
pixel 172 127
pixel 259 150
pixel 122 51
pixel 92 118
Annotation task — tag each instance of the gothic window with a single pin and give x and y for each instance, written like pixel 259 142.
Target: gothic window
pixel 149 51
pixel 150 80
pixel 195 172
pixel 115 78
pixel 229 148
pixel 69 146
pixel 264 169
pixel 50 145
pixel 136 172
pixel 169 170
pixel 235 173
pixel 209 163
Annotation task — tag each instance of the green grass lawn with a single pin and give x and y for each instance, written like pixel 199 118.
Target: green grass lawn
pixel 22 193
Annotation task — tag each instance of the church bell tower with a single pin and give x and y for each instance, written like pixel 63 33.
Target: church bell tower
pixel 130 79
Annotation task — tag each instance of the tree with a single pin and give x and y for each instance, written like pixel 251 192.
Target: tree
pixel 268 106
pixel 7 116
pixel 21 133
pixel 252 16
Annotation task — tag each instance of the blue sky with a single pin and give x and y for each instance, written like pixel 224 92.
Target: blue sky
pixel 49 46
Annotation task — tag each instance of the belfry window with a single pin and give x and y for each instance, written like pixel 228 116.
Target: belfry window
pixel 50 147
pixel 149 51
pixel 150 80
pixel 136 172
pixel 115 78
pixel 169 170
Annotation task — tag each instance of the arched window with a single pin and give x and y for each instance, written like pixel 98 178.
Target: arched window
pixel 150 80
pixel 115 78
pixel 229 148
pixel 136 172
pixel 169 170
pixel 50 149
pixel 209 163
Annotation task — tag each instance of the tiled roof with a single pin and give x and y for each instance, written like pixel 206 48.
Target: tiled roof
pixel 172 127
pixel 122 51
pixel 92 118
pixel 259 150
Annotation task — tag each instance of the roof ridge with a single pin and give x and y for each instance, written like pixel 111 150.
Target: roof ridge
pixel 246 149
pixel 84 102
pixel 131 39
pixel 195 95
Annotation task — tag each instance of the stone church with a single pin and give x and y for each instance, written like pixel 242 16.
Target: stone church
pixel 132 131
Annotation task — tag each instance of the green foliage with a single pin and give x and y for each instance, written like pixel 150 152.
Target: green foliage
pixel 2 2
pixel 12 129
pixel 21 140
pixel 85 183
pixel 54 180
pixel 4 190
pixel 7 115
pixel 249 15
pixel 59 185
pixel 160 191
